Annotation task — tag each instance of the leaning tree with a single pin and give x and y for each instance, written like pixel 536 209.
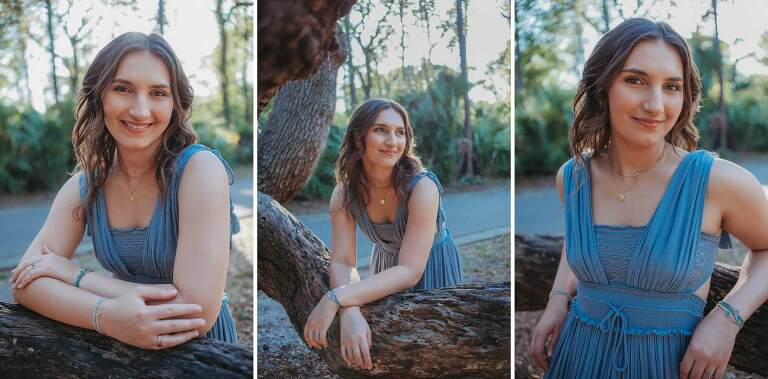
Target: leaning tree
pixel 452 332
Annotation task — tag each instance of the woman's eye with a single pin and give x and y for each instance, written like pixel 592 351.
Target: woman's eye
pixel 160 93
pixel 121 89
pixel 673 87
pixel 633 80
pixel 401 132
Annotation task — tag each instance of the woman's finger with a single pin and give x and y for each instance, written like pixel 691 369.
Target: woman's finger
pixel 357 355
pixel 22 275
pixel 366 355
pixel 553 342
pixel 685 366
pixel 179 325
pixel 31 275
pixel 323 337
pixel 698 369
pixel 176 339
pixel 345 354
pixel 720 372
pixel 164 311
pixel 537 351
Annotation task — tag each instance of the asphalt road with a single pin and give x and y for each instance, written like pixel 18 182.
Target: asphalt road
pixel 469 215
pixel 20 224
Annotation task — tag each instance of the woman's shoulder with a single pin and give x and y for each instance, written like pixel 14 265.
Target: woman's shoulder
pixel 731 178
pixel 200 160
pixel 426 176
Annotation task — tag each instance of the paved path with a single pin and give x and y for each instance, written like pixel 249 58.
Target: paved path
pixel 20 224
pixel 538 209
pixel 470 215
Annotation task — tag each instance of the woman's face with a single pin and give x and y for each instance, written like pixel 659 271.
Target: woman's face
pixel 385 140
pixel 138 103
pixel 646 98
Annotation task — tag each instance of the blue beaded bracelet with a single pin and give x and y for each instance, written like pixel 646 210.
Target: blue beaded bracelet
pixel 80 275
pixel 731 313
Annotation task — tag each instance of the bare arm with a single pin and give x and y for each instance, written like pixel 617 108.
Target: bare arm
pixel 202 252
pixel 414 252
pixel 343 268
pixel 745 215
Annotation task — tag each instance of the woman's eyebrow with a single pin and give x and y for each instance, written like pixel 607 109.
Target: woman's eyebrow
pixel 387 125
pixel 123 81
pixel 643 73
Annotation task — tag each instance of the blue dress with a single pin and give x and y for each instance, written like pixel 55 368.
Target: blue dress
pixel 636 307
pixel 146 255
pixel 443 267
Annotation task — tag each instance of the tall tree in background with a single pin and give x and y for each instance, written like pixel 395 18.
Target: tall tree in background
pixel 374 43
pixel 52 50
pixel 76 35
pixel 721 121
pixel 351 69
pixel 161 21
pixel 467 166
pixel 223 17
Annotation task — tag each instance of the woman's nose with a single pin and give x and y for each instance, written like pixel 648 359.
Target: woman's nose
pixel 653 102
pixel 140 108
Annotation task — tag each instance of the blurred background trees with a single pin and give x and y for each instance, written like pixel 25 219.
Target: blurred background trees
pixel 411 51
pixel 46 46
pixel 554 37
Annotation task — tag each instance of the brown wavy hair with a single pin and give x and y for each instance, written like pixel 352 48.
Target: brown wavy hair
pixel 591 130
pixel 349 165
pixel 93 144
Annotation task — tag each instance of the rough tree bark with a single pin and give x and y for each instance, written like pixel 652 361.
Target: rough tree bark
pixel 453 332
pixel 32 346
pixel 536 260
pixel 293 39
pixel 292 140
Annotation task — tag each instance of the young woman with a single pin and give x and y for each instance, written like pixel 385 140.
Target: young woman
pixel 382 187
pixel 155 204
pixel 644 216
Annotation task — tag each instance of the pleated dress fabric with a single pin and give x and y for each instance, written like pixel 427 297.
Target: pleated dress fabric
pixel 635 307
pixel 147 254
pixel 443 267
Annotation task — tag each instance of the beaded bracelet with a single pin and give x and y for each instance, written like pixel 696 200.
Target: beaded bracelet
pixel 79 276
pixel 560 292
pixel 96 314
pixel 332 295
pixel 731 313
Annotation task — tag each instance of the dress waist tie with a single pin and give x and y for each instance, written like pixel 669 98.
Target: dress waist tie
pixel 615 321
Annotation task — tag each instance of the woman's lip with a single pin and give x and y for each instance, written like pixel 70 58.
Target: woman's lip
pixel 388 152
pixel 647 122
pixel 136 128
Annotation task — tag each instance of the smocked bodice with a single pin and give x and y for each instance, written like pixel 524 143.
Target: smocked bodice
pixel 129 246
pixel 616 246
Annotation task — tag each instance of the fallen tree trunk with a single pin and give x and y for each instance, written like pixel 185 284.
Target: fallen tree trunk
pixel 536 260
pixel 33 346
pixel 450 332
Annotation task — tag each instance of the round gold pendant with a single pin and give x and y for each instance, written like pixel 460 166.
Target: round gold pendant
pixel 620 198
pixel 382 201
pixel 131 199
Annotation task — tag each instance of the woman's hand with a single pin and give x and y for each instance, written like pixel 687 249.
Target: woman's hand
pixel 710 348
pixel 547 331
pixel 47 264
pixel 318 323
pixel 355 338
pixel 130 320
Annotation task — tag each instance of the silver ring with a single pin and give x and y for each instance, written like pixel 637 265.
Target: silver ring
pixel 159 340
pixel 316 333
pixel 32 266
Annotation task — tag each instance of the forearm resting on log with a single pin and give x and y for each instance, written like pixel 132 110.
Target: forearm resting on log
pixel 536 260
pixel 449 332
pixel 59 301
pixel 32 346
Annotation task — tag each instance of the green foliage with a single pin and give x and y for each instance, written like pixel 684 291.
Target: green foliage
pixel 492 139
pixel 541 131
pixel 37 152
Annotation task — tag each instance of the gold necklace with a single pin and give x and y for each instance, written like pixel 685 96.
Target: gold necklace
pixel 131 196
pixel 383 200
pixel 621 194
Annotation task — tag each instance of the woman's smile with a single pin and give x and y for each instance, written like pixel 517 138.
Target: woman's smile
pixel 648 123
pixel 136 127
